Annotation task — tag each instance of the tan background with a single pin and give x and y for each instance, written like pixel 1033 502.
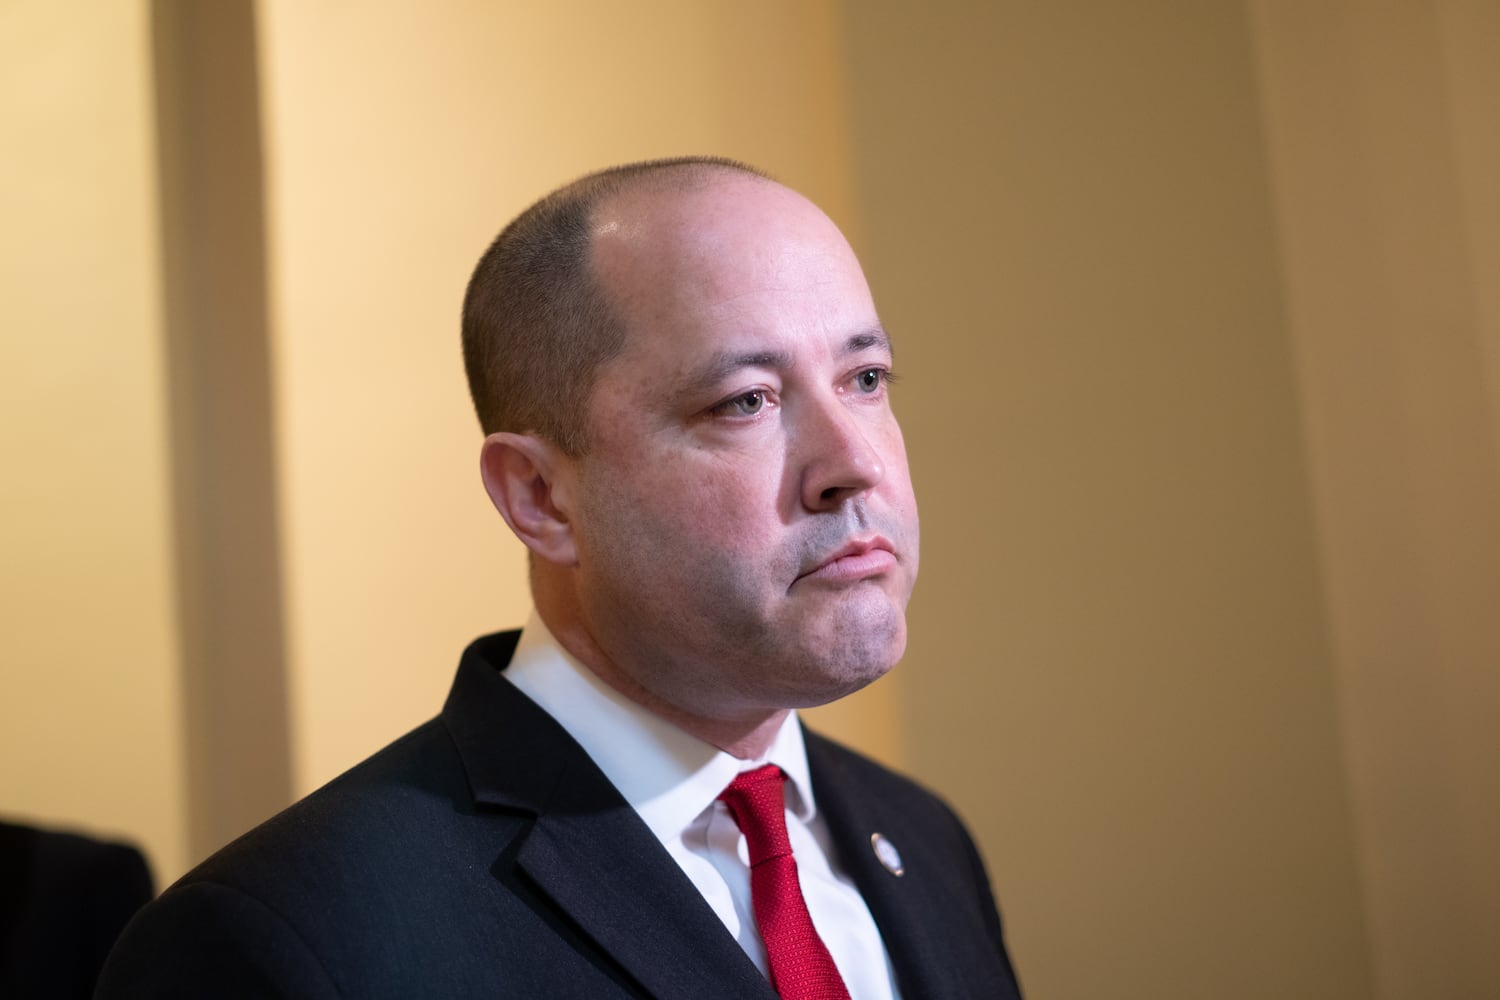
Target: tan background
pixel 1198 312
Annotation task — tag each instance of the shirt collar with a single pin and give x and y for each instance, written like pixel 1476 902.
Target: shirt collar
pixel 667 776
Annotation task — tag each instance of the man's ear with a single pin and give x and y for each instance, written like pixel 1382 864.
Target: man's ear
pixel 530 483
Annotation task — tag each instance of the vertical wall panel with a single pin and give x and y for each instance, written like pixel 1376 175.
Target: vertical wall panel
pixel 1380 142
pixel 1119 665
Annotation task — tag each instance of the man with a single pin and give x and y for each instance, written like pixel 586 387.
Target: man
pixel 685 389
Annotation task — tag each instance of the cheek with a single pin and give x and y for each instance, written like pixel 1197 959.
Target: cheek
pixel 728 501
pixel 717 513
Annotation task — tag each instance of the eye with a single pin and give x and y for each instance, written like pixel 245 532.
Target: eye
pixel 871 379
pixel 746 404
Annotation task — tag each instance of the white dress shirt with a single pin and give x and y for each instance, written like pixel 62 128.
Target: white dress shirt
pixel 673 781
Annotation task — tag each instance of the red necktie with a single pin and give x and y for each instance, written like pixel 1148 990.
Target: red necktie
pixel 801 968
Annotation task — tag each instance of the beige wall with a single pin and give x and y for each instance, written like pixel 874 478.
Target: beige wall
pixel 1120 668
pixel 1195 309
pixel 89 718
pixel 1384 127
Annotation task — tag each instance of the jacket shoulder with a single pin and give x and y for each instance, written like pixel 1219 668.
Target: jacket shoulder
pixel 352 882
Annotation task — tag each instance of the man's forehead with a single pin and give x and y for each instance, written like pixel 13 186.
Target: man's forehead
pixel 732 268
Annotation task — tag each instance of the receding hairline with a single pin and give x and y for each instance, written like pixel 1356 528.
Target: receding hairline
pixel 604 192
pixel 672 175
pixel 539 277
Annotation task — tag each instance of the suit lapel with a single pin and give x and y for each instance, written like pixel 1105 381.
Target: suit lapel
pixel 610 875
pixel 589 852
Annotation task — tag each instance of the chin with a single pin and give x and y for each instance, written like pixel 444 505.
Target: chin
pixel 833 689
pixel 865 657
pixel 867 637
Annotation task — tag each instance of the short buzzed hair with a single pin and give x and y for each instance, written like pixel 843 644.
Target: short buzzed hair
pixel 537 327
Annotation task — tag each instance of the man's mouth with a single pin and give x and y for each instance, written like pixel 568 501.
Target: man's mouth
pixel 857 559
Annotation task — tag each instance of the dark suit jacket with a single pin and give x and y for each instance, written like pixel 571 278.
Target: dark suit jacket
pixel 484 854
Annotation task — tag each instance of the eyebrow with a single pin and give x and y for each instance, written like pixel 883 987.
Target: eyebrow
pixel 873 337
pixel 725 363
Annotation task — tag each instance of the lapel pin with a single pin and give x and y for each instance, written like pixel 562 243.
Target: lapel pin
pixel 887 854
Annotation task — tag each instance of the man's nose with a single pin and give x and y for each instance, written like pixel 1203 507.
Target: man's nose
pixel 839 459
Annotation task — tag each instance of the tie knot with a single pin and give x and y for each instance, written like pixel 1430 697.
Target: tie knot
pixel 758 805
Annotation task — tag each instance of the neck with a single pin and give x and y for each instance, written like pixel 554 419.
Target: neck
pixel 747 737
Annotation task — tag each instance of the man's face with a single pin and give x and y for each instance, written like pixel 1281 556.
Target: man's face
pixel 745 524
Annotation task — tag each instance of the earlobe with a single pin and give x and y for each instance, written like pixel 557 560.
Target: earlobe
pixel 526 480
